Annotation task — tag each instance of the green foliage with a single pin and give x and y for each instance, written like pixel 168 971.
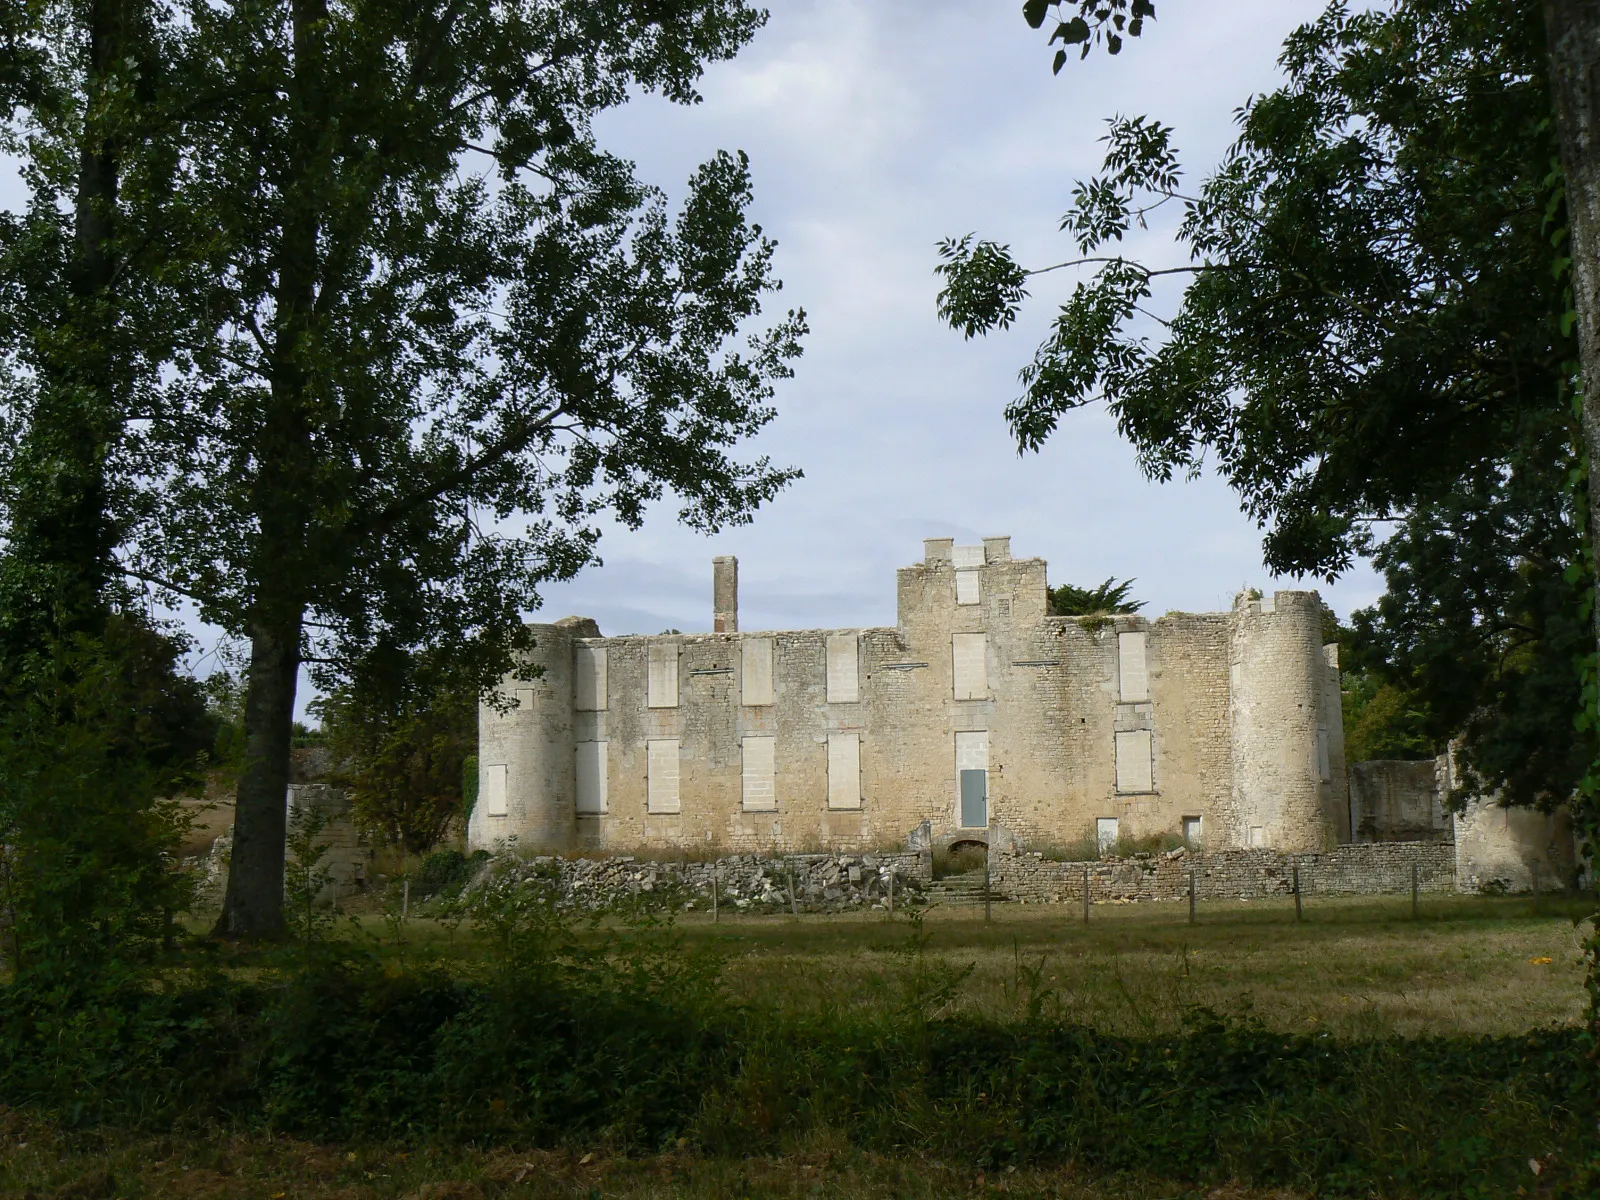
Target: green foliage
pixel 629 1042
pixel 1382 720
pixel 307 875
pixel 401 731
pixel 1372 313
pixel 446 872
pixel 96 735
pixel 1108 597
pixel 391 291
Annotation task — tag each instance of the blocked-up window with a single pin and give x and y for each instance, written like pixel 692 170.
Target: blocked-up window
pixel 591 778
pixel 661 791
pixel 1134 679
pixel 969 654
pixel 760 774
pixel 967 557
pixel 844 770
pixel 1191 831
pixel 1134 769
pixel 1324 767
pixel 493 787
pixel 524 700
pixel 755 658
pixel 1258 836
pixel 969 587
pixel 662 686
pixel 1105 834
pixel 844 674
pixel 589 678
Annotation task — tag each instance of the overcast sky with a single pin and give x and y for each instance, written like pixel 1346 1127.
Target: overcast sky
pixel 874 128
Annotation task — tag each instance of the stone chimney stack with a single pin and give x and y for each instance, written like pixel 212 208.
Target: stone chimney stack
pixel 725 594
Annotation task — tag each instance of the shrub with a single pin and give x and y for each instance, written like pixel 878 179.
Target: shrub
pixel 446 872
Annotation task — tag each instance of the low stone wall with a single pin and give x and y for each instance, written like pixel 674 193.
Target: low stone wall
pixel 744 882
pixel 1378 868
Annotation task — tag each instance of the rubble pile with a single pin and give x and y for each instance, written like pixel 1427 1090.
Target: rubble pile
pixel 744 883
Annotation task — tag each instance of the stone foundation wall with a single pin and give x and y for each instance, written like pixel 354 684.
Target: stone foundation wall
pixel 744 882
pixel 1379 868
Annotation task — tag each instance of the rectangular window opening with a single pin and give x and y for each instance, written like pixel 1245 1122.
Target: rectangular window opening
pixel 760 782
pixel 844 674
pixel 589 678
pixel 662 685
pixel 1105 834
pixel 664 771
pixel 1135 771
pixel 591 779
pixel 844 770
pixel 755 660
pixel 969 657
pixel 493 786
pixel 1133 676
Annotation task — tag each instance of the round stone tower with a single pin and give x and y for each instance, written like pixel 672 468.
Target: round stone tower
pixel 1282 774
pixel 526 760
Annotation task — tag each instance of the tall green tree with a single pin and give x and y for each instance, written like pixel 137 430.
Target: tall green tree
pixel 98 727
pixel 401 729
pixel 1371 329
pixel 425 302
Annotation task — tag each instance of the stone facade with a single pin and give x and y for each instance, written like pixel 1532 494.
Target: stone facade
pixel 976 712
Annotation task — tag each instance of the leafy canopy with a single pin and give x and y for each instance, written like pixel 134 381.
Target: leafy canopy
pixel 1372 310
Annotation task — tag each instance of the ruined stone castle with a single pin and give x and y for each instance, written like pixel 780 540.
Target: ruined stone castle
pixel 979 716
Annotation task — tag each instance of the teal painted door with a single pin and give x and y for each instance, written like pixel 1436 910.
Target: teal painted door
pixel 974 799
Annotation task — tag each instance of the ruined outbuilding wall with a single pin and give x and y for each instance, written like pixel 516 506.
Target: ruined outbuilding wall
pixel 1392 800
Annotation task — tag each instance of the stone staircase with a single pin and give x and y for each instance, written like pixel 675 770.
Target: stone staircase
pixel 958 891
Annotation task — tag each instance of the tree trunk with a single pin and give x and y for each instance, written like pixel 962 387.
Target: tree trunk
pixel 1572 30
pixel 253 906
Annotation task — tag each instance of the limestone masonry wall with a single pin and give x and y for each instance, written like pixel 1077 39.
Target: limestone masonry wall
pixel 977 713
pixel 1382 868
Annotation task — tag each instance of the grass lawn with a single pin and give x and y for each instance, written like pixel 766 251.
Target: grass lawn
pixel 1352 967
pixel 1355 968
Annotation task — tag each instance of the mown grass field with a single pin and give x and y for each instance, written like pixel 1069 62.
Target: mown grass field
pixel 1358 967
pixel 1355 969
pixel 1352 967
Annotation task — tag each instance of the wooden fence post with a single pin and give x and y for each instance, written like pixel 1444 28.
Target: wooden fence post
pixel 1416 884
pixel 987 915
pixel 1297 913
pixel 1192 874
pixel 1085 893
pixel 716 908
